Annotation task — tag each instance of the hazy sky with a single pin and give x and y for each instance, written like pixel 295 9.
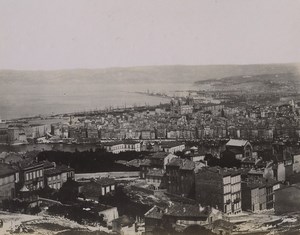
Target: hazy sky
pixel 55 34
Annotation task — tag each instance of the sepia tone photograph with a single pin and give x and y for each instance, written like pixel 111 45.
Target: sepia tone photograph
pixel 144 117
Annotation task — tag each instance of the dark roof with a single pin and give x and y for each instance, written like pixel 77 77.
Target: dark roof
pixel 187 210
pixel 6 170
pixel 221 171
pixel 28 163
pixel 160 155
pixel 124 220
pixel 58 170
pixel 154 213
pixel 48 164
pixel 170 144
pixel 183 164
pixel 105 181
pixel 145 162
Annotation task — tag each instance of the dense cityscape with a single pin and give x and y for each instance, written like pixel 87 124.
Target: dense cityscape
pixel 149 117
pixel 206 162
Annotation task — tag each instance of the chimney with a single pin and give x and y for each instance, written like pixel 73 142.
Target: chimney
pixel 184 210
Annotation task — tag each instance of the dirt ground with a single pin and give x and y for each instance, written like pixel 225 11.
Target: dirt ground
pixel 14 223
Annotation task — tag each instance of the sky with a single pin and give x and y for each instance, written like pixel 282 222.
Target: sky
pixel 67 34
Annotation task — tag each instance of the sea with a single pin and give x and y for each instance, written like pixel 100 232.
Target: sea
pixel 29 100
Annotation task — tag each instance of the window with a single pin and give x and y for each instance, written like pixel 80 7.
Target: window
pixel 41 173
pixel 27 176
pixel 30 175
pixel 49 179
pixel 58 185
pixel 38 174
pixel 58 177
pixel 34 174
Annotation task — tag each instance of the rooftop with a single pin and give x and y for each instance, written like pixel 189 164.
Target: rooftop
pixel 187 210
pixel 237 143
pixel 183 164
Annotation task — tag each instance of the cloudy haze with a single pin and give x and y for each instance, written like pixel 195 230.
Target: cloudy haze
pixel 53 34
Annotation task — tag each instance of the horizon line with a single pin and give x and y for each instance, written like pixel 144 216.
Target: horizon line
pixel 143 66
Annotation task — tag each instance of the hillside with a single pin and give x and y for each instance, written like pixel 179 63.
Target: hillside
pixel 277 82
pixel 150 74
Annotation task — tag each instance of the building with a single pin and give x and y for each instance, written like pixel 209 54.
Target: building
pixel 124 146
pixel 155 177
pixel 153 219
pixel 241 148
pixel 55 177
pixel 258 194
pixel 31 174
pixel 224 184
pixel 180 216
pixel 172 147
pixel 180 177
pixel 8 177
pixel 96 188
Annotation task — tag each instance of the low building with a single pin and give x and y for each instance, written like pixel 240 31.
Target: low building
pixel 123 146
pixel 239 147
pixel 179 216
pixel 96 188
pixel 172 147
pixel 155 177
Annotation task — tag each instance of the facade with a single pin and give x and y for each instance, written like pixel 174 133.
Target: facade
pixel 8 178
pixel 96 188
pixel 172 147
pixel 31 175
pixel 117 147
pixel 155 177
pixel 180 177
pixel 258 194
pixel 55 177
pixel 224 184
pixel 242 147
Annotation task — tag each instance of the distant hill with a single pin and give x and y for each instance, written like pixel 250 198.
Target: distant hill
pixel 148 74
pixel 277 82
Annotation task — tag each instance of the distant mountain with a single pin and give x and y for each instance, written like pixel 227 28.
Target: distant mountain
pixel 148 74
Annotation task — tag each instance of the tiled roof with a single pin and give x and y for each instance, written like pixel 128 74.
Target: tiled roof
pixel 187 210
pixel 154 213
pixel 237 143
